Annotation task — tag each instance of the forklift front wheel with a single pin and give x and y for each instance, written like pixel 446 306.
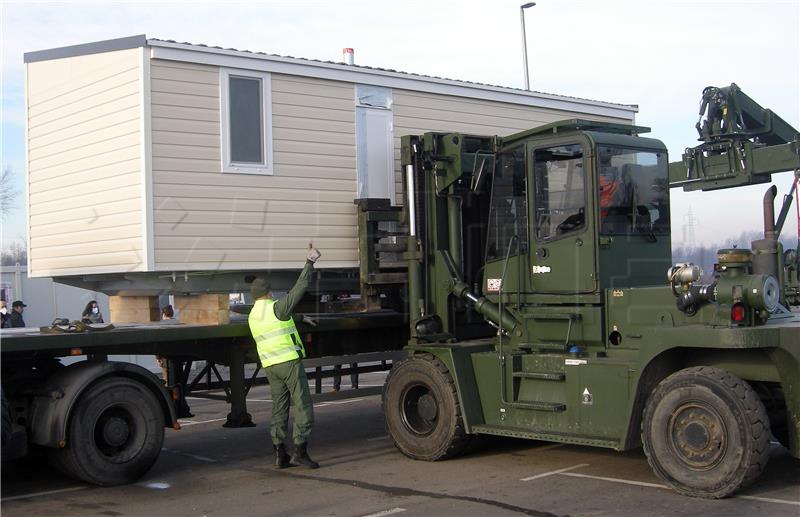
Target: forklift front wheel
pixel 423 415
pixel 705 432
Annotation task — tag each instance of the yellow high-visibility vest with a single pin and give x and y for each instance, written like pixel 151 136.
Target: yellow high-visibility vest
pixel 276 341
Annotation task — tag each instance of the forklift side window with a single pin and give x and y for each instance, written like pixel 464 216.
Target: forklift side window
pixel 508 213
pixel 560 191
pixel 633 191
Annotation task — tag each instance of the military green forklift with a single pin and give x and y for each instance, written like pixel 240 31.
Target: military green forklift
pixel 544 303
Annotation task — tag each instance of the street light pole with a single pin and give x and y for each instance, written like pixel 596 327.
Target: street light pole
pixel 524 42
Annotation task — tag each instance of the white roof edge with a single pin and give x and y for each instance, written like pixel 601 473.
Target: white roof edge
pixel 339 71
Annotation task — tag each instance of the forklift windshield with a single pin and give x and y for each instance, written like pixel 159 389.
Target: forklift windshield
pixel 633 191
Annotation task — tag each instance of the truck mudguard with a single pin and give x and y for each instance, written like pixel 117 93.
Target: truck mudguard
pixel 53 403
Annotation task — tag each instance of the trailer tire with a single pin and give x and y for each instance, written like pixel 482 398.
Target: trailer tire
pixel 422 411
pixel 705 432
pixel 114 434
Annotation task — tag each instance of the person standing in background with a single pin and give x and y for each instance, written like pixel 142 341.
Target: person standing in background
pixel 15 319
pixel 92 314
pixel 3 314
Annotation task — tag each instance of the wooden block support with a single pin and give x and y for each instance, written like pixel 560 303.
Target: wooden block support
pixel 133 309
pixel 206 309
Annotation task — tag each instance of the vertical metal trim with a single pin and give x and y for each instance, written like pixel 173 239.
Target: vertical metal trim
pixel 146 142
pixel 412 209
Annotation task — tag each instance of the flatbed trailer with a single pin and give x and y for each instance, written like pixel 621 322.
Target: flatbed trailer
pixel 103 421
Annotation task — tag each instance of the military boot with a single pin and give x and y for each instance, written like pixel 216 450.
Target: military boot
pixel 301 457
pixel 281 457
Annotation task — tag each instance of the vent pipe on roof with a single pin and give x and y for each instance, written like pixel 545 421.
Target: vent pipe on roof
pixel 347 56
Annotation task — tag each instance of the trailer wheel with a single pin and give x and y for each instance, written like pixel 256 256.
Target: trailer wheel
pixel 114 435
pixel 423 415
pixel 705 432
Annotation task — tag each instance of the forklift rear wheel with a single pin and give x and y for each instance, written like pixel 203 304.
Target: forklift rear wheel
pixel 423 415
pixel 114 435
pixel 705 432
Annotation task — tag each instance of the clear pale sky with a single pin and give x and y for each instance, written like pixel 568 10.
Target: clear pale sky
pixel 656 54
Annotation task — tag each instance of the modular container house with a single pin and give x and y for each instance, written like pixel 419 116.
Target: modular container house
pixel 158 157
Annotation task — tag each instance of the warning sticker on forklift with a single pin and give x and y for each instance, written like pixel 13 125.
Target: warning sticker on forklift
pixel 493 284
pixel 574 362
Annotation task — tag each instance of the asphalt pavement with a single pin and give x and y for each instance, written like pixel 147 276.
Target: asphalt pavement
pixel 205 469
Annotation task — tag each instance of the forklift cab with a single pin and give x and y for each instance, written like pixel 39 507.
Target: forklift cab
pixel 577 207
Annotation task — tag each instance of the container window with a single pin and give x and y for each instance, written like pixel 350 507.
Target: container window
pixel 246 122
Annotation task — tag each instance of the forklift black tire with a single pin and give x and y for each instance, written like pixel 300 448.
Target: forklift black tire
pixel 705 432
pixel 114 435
pixel 423 415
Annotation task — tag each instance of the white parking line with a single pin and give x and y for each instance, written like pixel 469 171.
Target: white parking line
pixel 614 480
pixel 386 512
pixel 259 400
pixel 39 494
pixel 185 423
pixel 193 456
pixel 559 471
pixel 655 485
pixel 768 500
pixel 377 438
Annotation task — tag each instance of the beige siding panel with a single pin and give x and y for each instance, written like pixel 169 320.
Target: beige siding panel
pixel 312 101
pixel 233 192
pixel 58 204
pixel 332 126
pixel 103 90
pixel 236 217
pixel 84 164
pixel 169 165
pixel 255 182
pixel 183 126
pixel 85 216
pixel 55 143
pixel 87 120
pixel 309 136
pixel 314 113
pixel 185 101
pixel 203 216
pixel 99 146
pixel 188 152
pixel 181 232
pixel 202 207
pixel 272 256
pixel 293 146
pixel 190 139
pixel 189 113
pixel 184 74
pixel 94 189
pixel 127 172
pixel 313 87
pixel 79 104
pixel 185 88
pixel 100 239
pixel 125 159
pixel 121 261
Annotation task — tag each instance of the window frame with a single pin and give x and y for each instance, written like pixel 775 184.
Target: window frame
pixel 227 165
pixel 586 191
pixel 522 147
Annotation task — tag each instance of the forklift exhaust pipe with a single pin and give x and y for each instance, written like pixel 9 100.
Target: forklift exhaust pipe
pixel 765 251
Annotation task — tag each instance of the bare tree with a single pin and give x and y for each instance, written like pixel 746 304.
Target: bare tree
pixel 8 193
